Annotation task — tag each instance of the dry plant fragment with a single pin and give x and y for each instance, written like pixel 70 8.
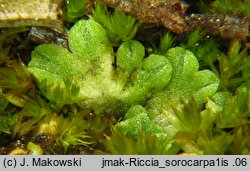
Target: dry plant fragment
pixel 226 26
pixel 15 13
pixel 172 15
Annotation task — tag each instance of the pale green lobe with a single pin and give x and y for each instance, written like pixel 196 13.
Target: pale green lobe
pixel 130 54
pixel 154 75
pixel 157 72
pixel 186 81
pixel 47 63
pixel 88 40
pixel 50 58
pixel 137 120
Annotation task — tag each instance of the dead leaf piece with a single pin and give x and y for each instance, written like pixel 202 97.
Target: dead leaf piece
pixel 14 13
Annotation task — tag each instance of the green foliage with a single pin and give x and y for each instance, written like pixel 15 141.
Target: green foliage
pixel 9 37
pixel 31 116
pixel 186 81
pixel 3 102
pixel 74 9
pixel 85 75
pixel 183 110
pixel 83 38
pixel 233 66
pixel 194 37
pixel 223 130
pixel 208 53
pixel 57 70
pixel 137 121
pixel 195 132
pixel 235 7
pixel 144 144
pixel 7 121
pixel 3 54
pixel 16 86
pixel 34 149
pixel 119 26
pixel 129 55
pixel 72 131
pixel 137 134
pixel 66 95
pixel 16 78
pixel 188 118
pixel 236 111
pixel 18 91
pixel 166 42
pixel 156 72
pixel 206 50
